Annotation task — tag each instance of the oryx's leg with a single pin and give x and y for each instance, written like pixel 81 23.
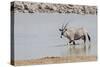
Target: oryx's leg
pixel 68 43
pixel 89 38
pixel 84 39
pixel 72 41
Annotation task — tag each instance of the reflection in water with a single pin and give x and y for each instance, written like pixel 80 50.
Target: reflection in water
pixel 58 51
pixel 76 50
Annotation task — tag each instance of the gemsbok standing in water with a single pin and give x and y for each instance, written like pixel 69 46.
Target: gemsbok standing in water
pixel 73 34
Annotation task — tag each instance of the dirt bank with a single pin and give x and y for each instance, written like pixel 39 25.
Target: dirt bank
pixel 31 7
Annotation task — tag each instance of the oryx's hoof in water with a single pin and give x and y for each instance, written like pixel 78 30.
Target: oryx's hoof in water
pixel 73 34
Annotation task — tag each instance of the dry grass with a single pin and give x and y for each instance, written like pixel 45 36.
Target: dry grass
pixel 52 60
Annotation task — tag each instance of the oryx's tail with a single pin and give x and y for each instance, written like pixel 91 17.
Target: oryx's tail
pixel 89 38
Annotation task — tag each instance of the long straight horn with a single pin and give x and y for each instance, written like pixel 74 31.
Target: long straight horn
pixel 62 26
pixel 66 25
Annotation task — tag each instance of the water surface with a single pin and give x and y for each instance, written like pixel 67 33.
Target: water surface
pixel 37 35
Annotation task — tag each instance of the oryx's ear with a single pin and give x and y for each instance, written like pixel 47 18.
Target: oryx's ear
pixel 60 29
pixel 65 29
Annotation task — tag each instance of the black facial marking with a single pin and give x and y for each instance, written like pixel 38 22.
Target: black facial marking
pixel 60 29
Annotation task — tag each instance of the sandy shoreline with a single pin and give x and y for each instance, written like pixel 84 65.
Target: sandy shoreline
pixel 53 60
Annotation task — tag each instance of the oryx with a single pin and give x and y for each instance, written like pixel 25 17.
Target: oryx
pixel 73 34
